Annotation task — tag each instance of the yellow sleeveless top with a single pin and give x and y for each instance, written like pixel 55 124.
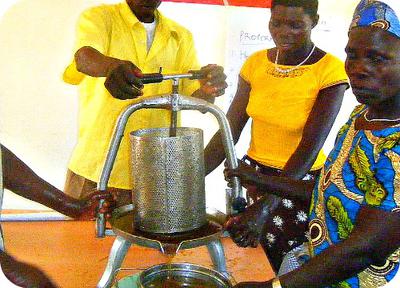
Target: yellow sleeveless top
pixel 280 103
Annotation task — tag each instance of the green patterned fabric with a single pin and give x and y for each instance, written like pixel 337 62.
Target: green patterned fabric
pixel 363 169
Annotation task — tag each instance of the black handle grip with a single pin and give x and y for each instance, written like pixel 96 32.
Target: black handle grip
pixel 197 74
pixel 152 78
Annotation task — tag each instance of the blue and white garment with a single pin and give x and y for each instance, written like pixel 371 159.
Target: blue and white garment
pixel 380 14
pixel 363 169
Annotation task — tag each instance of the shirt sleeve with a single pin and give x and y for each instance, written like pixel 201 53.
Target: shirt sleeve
pixel 247 68
pixel 189 61
pixel 332 72
pixel 92 30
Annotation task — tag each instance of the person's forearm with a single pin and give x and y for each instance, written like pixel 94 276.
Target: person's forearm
pixel 93 63
pixel 214 153
pixel 301 161
pixel 4 257
pixel 237 117
pixel 298 166
pixel 285 187
pixel 336 264
pixel 23 274
pixel 373 239
pixel 20 179
pixel 315 132
pixel 8 265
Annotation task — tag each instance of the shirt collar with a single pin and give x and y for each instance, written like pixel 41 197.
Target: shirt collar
pixel 131 19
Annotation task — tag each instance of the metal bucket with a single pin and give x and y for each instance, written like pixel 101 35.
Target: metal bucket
pixel 168 180
pixel 182 275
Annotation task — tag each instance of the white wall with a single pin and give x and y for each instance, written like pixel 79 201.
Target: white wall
pixel 39 112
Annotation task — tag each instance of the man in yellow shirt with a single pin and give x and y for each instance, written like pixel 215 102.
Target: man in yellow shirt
pixel 115 45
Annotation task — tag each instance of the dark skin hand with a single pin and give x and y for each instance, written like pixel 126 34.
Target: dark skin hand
pixel 20 179
pixel 248 175
pixel 23 274
pixel 245 229
pixel 87 208
pixel 123 81
pixel 213 85
pixel 123 78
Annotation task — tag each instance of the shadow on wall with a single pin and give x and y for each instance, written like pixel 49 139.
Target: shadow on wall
pixel 38 111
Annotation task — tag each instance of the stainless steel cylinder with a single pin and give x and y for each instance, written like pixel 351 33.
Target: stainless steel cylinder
pixel 168 180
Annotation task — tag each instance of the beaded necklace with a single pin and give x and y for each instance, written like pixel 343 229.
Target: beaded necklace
pixel 293 68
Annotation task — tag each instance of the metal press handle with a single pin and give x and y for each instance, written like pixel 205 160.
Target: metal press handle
pixel 158 77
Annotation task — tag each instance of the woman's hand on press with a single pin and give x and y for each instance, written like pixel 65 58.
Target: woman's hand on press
pixel 88 208
pixel 247 174
pixel 245 228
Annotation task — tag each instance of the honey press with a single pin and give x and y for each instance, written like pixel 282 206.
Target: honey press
pixel 168 211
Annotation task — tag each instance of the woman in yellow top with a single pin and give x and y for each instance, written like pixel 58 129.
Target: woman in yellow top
pixel 292 93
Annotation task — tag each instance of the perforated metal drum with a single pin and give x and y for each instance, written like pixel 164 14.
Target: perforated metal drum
pixel 168 180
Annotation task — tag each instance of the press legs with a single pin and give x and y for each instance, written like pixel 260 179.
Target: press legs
pixel 217 255
pixel 117 255
pixel 120 248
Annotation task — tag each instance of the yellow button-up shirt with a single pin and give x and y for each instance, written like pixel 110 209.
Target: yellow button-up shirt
pixel 115 31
